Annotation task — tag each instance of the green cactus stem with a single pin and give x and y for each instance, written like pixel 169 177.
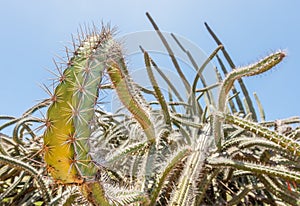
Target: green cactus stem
pixel 71 113
pixel 124 91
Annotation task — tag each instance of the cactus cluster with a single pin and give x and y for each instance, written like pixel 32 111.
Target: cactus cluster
pixel 201 154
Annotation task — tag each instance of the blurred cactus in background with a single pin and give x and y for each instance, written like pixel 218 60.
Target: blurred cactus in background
pixel 158 148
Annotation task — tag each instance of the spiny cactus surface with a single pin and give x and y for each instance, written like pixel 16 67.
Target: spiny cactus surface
pixel 200 154
pixel 71 112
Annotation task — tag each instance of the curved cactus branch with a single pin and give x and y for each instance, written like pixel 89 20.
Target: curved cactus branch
pixel 29 169
pixel 125 93
pixel 256 168
pixel 257 68
pixel 285 142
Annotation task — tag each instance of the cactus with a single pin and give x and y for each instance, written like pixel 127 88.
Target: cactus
pixel 71 111
pixel 70 116
pixel 262 66
pixel 125 88
pixel 151 155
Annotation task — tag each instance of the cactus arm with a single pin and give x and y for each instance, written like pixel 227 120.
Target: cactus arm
pixel 283 141
pixel 252 70
pixel 70 116
pixel 125 94
pixel 157 90
pixel 256 168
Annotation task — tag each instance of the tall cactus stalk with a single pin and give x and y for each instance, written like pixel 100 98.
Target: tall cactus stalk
pixel 71 113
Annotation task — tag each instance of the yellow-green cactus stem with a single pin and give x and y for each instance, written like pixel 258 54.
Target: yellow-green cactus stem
pixel 70 115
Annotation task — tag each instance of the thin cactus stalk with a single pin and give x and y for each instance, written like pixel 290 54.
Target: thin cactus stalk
pixel 124 90
pixel 257 68
pixel 32 171
pixel 157 90
pixel 285 142
pixel 255 167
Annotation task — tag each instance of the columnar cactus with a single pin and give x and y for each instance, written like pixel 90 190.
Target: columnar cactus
pixel 70 115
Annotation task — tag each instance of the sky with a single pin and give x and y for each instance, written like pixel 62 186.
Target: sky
pixel 33 32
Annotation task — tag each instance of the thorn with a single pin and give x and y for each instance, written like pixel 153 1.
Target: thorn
pixel 61 59
pixel 73 42
pixel 82 32
pixel 50 169
pixel 79 39
pixel 94 28
pixel 47 149
pixel 53 97
pixel 49 124
pixel 67 52
pixel 55 74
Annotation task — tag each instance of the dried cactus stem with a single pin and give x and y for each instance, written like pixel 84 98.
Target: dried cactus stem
pixel 256 168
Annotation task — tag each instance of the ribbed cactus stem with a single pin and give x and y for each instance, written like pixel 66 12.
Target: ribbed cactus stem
pixel 71 113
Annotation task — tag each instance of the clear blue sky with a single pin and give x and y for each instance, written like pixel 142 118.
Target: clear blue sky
pixel 33 31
